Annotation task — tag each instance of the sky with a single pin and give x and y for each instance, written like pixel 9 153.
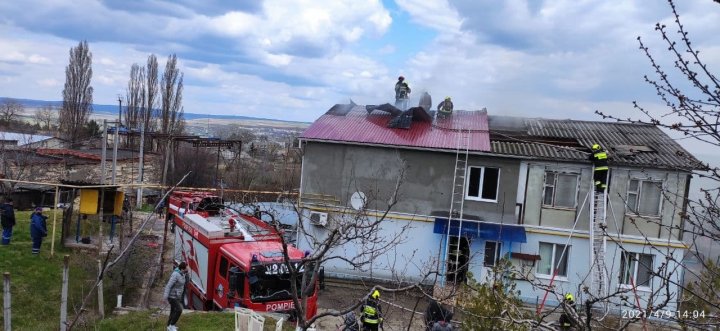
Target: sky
pixel 294 59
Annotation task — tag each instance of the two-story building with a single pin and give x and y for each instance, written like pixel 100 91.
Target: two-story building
pixel 515 188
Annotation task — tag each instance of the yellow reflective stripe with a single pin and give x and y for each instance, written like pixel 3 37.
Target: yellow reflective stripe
pixel 601 168
pixel 369 310
pixel 601 156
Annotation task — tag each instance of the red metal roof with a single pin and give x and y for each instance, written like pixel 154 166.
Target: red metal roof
pixel 357 126
pixel 68 152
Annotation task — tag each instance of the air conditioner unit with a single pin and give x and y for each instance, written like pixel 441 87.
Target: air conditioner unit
pixel 318 218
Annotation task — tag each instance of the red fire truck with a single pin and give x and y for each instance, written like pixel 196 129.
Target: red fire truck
pixel 233 259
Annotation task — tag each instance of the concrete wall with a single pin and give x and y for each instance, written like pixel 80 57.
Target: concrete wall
pixel 579 268
pixel 340 170
pixel 413 251
pixel 619 218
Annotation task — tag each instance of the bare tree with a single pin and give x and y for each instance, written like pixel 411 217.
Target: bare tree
pixel 18 163
pixel 171 111
pixel 45 116
pixel 693 110
pixel 361 229
pixel 148 112
pixel 135 97
pixel 10 109
pixel 78 93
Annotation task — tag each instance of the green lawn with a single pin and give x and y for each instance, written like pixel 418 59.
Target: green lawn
pixel 36 282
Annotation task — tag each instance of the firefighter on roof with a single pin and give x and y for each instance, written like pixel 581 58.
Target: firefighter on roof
pixel 445 107
pixel 599 159
pixel 402 91
pixel 372 313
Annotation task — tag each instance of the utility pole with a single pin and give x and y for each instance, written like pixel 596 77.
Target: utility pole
pixel 115 150
pixel 120 108
pixel 140 166
pixel 101 308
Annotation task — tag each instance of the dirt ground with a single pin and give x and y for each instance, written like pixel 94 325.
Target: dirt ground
pixel 396 308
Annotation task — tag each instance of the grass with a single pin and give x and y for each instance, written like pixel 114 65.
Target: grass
pixel 36 281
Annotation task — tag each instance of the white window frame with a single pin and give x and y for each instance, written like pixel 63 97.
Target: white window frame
pixel 481 184
pixel 633 210
pixel 554 186
pixel 496 258
pixel 553 263
pixel 625 283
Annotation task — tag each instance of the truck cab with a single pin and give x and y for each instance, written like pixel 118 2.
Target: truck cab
pixel 257 278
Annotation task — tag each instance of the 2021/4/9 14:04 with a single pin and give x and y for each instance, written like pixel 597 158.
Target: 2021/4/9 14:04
pixel 666 314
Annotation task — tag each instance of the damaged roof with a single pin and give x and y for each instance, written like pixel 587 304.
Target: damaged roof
pixel 418 128
pixel 638 145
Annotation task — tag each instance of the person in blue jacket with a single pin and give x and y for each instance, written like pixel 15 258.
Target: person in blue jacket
pixel 38 229
pixel 7 218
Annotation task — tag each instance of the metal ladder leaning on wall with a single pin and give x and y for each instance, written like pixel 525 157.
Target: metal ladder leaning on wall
pixel 598 242
pixel 457 200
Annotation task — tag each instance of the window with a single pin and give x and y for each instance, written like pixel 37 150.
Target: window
pixel 551 256
pixel 560 190
pixel 636 268
pixel 492 253
pixel 222 270
pixel 483 183
pixel 644 197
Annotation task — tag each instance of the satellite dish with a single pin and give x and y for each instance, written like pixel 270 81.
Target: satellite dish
pixel 358 200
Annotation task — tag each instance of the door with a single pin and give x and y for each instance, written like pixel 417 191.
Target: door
pixel 491 256
pixel 222 287
pixel 458 259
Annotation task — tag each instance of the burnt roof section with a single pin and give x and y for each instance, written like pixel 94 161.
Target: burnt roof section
pixel 637 145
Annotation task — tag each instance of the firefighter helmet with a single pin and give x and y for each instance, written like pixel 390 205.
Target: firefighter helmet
pixel 569 297
pixel 595 147
pixel 375 294
pixel 401 78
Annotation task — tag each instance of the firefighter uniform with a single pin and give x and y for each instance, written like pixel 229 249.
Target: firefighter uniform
pixel 402 91
pixel 565 321
pixel 445 108
pixel 599 159
pixel 372 313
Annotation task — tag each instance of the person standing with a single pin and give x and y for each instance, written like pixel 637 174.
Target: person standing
pixel 402 92
pixel 7 220
pixel 38 229
pixel 173 294
pixel 372 312
pixel 599 159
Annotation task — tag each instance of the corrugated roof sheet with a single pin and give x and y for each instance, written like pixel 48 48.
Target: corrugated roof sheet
pixel 519 141
pixel 360 127
pixel 22 138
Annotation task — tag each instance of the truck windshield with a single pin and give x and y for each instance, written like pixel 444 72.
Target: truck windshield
pixel 268 285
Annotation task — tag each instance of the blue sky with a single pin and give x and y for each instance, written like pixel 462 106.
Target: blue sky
pixel 294 59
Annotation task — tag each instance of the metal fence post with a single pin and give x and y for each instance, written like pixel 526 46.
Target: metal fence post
pixel 6 301
pixel 64 293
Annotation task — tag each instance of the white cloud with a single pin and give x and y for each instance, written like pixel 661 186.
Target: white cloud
pixel 436 14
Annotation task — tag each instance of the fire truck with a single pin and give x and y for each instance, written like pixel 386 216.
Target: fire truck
pixel 233 259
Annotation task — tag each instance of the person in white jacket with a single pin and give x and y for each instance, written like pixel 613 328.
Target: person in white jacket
pixel 173 294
